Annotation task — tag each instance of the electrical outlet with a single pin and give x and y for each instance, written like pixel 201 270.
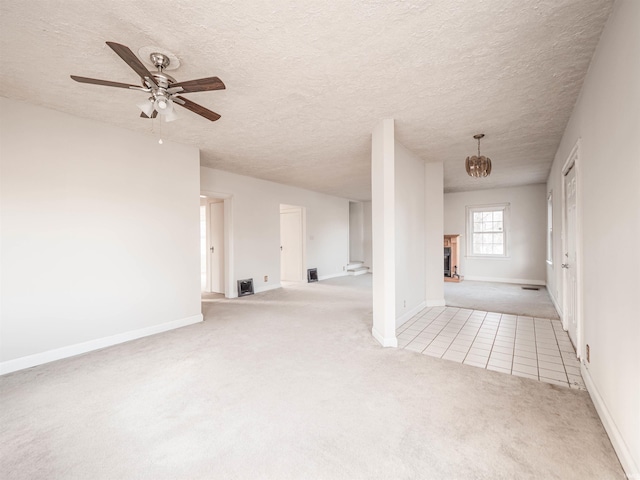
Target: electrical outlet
pixel 588 354
pixel 405 304
pixel 344 267
pixel 266 278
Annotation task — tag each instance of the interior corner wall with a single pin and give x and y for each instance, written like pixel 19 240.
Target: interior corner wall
pixel 409 233
pixel 99 235
pixel 606 122
pixel 526 235
pixel 256 227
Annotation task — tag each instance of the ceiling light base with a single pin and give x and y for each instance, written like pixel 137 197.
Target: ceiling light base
pixel 146 55
pixel 159 60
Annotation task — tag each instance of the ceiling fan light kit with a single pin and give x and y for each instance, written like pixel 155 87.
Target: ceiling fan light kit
pixel 163 88
pixel 478 166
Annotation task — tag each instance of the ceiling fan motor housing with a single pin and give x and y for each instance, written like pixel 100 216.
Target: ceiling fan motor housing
pixel 162 98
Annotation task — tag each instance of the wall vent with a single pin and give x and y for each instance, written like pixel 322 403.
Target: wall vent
pixel 312 275
pixel 245 287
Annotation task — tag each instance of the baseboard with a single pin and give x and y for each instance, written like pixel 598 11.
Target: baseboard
pixel 385 342
pixel 84 347
pixel 506 280
pixel 409 314
pixel 435 302
pixel 624 454
pixel 332 275
pixel 266 288
pixel 555 305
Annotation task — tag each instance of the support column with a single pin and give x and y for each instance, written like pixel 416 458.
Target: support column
pixel 383 232
pixel 434 208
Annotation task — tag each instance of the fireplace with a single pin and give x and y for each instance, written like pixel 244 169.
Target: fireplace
pixel 447 261
pixel 452 258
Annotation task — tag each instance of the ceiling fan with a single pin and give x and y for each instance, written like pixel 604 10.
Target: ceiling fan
pixel 164 90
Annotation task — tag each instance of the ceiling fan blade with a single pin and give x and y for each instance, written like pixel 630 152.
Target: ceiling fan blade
pixel 153 115
pixel 106 83
pixel 199 109
pixel 199 85
pixel 134 62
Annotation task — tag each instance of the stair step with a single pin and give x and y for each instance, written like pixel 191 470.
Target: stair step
pixel 358 271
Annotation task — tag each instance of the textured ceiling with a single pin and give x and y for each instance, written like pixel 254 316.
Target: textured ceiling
pixel 307 81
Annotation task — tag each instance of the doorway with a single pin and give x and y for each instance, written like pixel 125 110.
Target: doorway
pixel 292 251
pixel 212 245
pixel 570 254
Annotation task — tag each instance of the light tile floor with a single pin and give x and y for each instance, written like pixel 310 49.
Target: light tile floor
pixel 535 348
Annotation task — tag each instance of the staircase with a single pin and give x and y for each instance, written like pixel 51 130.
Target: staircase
pixel 356 268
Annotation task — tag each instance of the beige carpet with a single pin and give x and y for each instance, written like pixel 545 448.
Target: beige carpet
pixel 290 384
pixel 500 297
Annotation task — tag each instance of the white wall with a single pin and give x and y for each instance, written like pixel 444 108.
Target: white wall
pixel 526 237
pixel 383 232
pixel 100 235
pixel 256 226
pixel 606 119
pixel 366 236
pixel 434 233
pixel 410 233
pixel 356 232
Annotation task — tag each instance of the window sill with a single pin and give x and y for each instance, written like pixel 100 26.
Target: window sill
pixel 489 257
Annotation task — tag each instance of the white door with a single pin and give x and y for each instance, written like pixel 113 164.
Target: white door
pixel 569 256
pixel 204 249
pixel 216 247
pixel 291 245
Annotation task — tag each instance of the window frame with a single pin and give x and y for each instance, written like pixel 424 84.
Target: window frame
pixel 470 210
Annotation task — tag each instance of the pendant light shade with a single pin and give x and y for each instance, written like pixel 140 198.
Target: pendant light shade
pixel 170 116
pixel 146 107
pixel 478 166
pixel 163 105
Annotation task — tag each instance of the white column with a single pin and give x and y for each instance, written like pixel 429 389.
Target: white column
pixel 434 198
pixel 383 233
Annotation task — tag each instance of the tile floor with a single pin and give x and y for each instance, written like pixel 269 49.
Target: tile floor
pixel 535 348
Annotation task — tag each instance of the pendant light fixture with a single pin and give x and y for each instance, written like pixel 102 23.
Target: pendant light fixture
pixel 479 166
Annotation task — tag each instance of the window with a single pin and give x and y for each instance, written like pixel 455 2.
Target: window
pixel 550 228
pixel 487 230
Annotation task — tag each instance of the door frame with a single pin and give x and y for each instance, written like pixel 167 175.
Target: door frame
pixel 230 289
pixel 573 161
